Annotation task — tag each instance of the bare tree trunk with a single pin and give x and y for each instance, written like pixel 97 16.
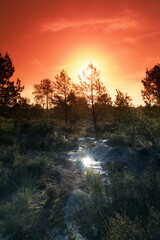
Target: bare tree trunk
pixel 93 109
pixel 65 110
pixel 94 118
pixel 47 102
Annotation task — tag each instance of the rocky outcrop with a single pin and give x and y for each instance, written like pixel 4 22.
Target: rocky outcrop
pixel 73 205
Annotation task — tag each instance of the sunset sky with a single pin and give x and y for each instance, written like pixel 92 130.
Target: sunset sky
pixel 120 38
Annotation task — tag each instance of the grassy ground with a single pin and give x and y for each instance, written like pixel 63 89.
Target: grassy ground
pixel 36 179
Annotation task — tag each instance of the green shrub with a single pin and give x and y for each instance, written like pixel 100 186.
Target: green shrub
pixel 14 216
pixel 20 200
pixel 7 156
pixel 115 139
pixel 36 135
pixel 52 193
pixel 121 227
pixel 71 236
pixel 7 132
pixel 36 236
pixel 96 208
pixel 136 192
pixel 5 211
pixel 4 178
pixel 32 163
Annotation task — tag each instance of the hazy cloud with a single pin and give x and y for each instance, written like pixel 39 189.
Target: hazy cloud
pixel 36 62
pixel 121 23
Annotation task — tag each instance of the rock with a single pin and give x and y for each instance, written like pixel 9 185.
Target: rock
pixel 56 235
pixel 105 154
pixel 108 154
pixel 74 204
pixel 2 238
pixel 87 140
pixel 101 142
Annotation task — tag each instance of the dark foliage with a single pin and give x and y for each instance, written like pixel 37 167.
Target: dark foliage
pixel 9 90
pixel 151 84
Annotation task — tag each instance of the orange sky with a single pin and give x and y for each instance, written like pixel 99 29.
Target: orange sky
pixel 121 38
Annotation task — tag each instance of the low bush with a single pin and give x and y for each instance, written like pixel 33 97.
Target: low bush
pixel 4 178
pixel 32 163
pixel 52 193
pixel 7 156
pixel 20 201
pixel 122 227
pixel 131 196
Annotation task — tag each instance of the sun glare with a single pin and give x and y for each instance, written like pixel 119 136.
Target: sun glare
pixel 82 58
pixel 105 63
pixel 85 72
pixel 87 161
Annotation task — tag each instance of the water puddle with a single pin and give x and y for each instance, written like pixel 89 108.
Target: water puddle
pixel 84 157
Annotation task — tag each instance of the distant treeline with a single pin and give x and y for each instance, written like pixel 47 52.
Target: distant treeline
pixel 70 102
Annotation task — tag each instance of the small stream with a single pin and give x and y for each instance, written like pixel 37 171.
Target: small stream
pixel 85 157
pixel 92 154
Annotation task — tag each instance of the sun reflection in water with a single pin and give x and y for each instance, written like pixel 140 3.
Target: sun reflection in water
pixel 87 161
